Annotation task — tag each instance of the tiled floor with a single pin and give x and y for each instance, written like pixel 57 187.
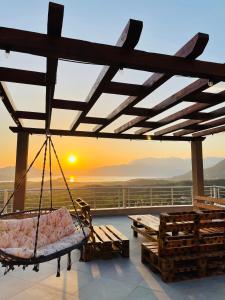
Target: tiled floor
pixel 115 279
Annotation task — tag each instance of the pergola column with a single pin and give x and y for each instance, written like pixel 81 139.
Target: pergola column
pixel 197 168
pixel 21 167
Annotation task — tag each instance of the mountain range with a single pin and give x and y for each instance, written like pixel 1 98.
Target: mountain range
pixel 215 172
pixel 152 167
pixel 165 168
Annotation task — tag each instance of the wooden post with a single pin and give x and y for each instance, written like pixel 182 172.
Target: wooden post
pixel 197 168
pixel 21 167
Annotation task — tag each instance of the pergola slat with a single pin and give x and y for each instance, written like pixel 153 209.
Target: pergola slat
pixel 8 102
pixel 89 52
pixel 120 88
pixel 209 131
pixel 200 117
pixel 102 134
pixel 22 76
pixel 191 49
pixel 54 29
pixel 200 127
pixel 183 95
pixel 128 40
pixel 30 115
pixel 68 104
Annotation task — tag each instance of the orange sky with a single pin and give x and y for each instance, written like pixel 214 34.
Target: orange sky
pixel 83 20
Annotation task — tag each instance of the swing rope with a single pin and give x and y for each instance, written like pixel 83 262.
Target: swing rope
pixel 67 187
pixel 41 196
pixel 22 179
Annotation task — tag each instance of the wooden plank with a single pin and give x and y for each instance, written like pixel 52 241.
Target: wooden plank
pixel 8 102
pixel 72 49
pixel 120 235
pixel 210 199
pixel 120 88
pixel 68 104
pixel 22 76
pixel 109 233
pixel 30 115
pixel 209 131
pixel 128 40
pixel 101 235
pixel 201 127
pixel 102 134
pixel 54 29
pixel 190 49
pixel 197 168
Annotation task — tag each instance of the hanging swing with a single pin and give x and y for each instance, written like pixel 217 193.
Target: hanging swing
pixel 35 236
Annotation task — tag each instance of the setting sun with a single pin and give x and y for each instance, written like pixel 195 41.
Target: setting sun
pixel 71 179
pixel 72 159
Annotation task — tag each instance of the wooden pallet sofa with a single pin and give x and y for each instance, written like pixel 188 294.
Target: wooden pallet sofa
pixel 208 203
pixel 104 241
pixel 190 244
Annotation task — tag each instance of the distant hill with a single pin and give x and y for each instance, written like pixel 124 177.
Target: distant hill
pixel 151 167
pixel 215 172
pixel 8 173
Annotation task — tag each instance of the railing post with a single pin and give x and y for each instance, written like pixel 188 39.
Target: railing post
pixel 124 197
pixel 5 199
pixel 218 192
pixel 214 191
pixel 172 196
pixel 94 193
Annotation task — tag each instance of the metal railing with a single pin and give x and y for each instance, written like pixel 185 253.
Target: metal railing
pixel 116 196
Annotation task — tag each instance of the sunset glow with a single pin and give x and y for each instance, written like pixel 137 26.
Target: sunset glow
pixel 71 179
pixel 72 159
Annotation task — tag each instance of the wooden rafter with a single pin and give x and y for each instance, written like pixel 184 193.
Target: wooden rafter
pixel 102 135
pixel 30 115
pixel 192 49
pixel 209 131
pixel 128 40
pixel 22 76
pixel 54 29
pixel 8 102
pixel 101 54
pixel 201 127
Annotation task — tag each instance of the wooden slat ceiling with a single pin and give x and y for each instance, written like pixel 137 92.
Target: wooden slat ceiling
pixel 53 47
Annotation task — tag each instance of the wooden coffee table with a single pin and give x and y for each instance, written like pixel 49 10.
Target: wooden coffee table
pixel 146 225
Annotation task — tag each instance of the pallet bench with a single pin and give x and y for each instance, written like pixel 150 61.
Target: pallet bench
pixel 104 240
pixel 190 244
pixel 107 241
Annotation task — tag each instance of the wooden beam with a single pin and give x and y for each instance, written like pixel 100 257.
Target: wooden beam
pixel 93 120
pixel 21 167
pixel 198 117
pixel 68 104
pixel 189 50
pixel 194 128
pixel 127 41
pixel 186 93
pixel 102 135
pixel 22 76
pixel 120 88
pixel 139 111
pixel 197 168
pixel 54 30
pixel 209 131
pixel 189 111
pixel 30 115
pixel 77 50
pixel 8 102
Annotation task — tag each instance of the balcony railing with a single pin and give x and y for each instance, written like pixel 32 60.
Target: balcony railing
pixel 116 197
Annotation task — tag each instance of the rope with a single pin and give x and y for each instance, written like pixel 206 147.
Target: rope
pixel 41 195
pixel 22 179
pixel 50 167
pixel 67 187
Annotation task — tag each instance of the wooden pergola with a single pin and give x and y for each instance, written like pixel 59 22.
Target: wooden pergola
pixel 184 62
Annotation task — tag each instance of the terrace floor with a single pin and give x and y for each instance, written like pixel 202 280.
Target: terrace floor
pixel 116 279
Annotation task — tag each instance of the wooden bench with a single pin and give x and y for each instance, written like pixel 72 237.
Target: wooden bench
pixel 104 241
pixel 208 203
pixel 190 244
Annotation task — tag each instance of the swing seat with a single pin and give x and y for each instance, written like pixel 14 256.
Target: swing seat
pixel 56 233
